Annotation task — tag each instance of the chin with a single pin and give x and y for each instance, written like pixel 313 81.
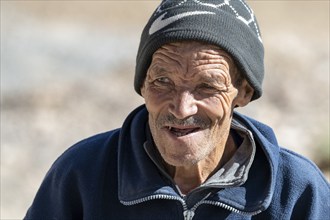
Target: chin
pixel 179 160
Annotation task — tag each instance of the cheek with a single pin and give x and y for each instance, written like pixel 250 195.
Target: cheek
pixel 227 99
pixel 155 100
pixel 218 106
pixel 214 107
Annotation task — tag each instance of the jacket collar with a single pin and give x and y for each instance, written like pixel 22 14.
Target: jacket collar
pixel 138 177
pixel 233 173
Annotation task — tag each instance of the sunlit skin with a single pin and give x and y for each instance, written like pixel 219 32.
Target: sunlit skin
pixel 190 97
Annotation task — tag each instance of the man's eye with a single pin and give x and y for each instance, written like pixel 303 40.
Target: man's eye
pixel 207 86
pixel 163 80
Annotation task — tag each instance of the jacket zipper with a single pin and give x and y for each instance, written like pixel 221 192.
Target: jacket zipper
pixel 229 208
pixel 159 196
pixel 188 214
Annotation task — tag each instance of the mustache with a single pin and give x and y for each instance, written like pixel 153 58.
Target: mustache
pixel 194 120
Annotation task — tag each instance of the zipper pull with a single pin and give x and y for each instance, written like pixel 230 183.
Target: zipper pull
pixel 188 214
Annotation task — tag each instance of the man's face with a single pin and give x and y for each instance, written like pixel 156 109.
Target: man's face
pixel 189 95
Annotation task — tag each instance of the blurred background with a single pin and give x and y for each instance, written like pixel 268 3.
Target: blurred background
pixel 67 73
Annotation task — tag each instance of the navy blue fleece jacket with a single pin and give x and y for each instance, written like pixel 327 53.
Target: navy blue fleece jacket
pixel 110 176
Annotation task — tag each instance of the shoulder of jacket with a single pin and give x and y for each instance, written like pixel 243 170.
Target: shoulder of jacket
pixel 84 152
pixel 300 169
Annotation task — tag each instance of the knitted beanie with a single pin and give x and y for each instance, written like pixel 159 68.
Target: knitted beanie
pixel 228 24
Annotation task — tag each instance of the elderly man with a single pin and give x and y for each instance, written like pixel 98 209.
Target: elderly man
pixel 187 154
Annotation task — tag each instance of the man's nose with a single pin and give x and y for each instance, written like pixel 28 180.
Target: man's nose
pixel 183 105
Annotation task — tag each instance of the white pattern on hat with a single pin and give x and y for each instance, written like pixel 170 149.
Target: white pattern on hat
pixel 246 21
pixel 160 23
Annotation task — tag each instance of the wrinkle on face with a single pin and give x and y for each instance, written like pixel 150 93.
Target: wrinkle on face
pixel 190 84
pixel 191 63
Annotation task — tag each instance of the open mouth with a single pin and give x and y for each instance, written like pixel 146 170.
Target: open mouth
pixel 179 132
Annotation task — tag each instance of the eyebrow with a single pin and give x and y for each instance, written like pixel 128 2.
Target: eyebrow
pixel 158 69
pixel 211 80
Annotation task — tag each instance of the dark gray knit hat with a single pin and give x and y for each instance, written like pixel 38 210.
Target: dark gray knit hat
pixel 229 24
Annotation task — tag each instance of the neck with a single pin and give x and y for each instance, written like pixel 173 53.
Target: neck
pixel 190 177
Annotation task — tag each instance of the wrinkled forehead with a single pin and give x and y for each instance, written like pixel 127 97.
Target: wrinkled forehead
pixel 198 48
pixel 192 52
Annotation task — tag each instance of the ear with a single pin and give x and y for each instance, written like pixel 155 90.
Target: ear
pixel 244 96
